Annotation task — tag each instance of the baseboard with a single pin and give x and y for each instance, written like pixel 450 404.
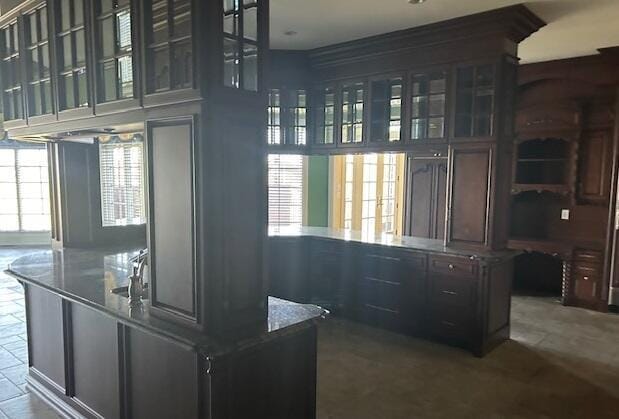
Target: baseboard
pixel 53 400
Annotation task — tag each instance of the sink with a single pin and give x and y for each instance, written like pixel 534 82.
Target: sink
pixel 124 292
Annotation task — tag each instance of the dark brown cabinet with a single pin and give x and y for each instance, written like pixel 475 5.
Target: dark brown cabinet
pixel 470 172
pixel 586 277
pixel 426 196
pixel 595 165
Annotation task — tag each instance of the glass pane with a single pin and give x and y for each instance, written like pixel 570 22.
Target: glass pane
pixel 160 22
pixel 465 77
pixel 9 222
pixel 65 13
pixel 34 65
pixel 66 52
pixel 37 108
pixel 32 22
pixel 69 91
pixel 106 5
pixel 43 20
pixel 250 23
pixel 418 129
pixel 231 63
pixel 394 131
pixel 36 222
pixel 80 48
pixel 45 61
pixel 47 97
pixel 7 174
pixel 436 128
pixel 107 37
pixel 437 85
pixel 78 15
pixel 183 65
pixel 182 18
pixel 437 105
pixel 250 67
pixel 125 76
pixel 7 158
pixel 420 85
pixel 123 28
pixel 485 76
pixel 108 70
pixel 419 108
pixel 162 69
pixel 82 86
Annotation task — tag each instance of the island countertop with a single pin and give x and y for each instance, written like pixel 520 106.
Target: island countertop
pixel 88 276
pixel 388 240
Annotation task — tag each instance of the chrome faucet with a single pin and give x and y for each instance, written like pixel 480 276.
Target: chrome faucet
pixel 136 280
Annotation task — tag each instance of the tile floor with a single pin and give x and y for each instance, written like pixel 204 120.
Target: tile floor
pixel 562 362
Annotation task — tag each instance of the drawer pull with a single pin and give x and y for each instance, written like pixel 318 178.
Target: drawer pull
pixel 585 278
pixel 391 258
pixel 451 267
pixel 449 292
pixel 446 323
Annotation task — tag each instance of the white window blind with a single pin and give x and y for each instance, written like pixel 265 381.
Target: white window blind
pixel 24 190
pixel 285 189
pixel 122 183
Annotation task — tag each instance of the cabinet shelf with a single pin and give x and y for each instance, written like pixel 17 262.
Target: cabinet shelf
pixel 518 188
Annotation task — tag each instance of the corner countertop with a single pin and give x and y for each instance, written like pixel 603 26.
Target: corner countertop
pixel 87 276
pixel 389 240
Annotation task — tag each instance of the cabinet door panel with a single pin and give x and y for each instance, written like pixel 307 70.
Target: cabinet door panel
pixel 45 327
pixel 426 197
pixel 440 180
pixel 595 167
pixel 95 354
pixel 470 182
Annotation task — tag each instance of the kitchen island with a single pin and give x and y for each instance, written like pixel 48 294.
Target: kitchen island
pixel 418 286
pixel 91 354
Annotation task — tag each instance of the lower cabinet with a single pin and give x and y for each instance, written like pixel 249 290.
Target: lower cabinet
pixel 585 280
pixel 87 364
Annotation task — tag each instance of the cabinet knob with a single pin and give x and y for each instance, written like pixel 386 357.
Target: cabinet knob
pixel 586 278
pixel 451 267
pixel 449 292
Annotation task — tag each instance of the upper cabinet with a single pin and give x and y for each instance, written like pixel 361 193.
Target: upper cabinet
pixel 428 100
pixel 241 46
pixel 475 97
pixel 71 60
pixel 12 97
pixel 352 127
pixel 287 117
pixel 38 74
pixel 169 47
pixel 324 116
pixel 386 110
pixel 114 53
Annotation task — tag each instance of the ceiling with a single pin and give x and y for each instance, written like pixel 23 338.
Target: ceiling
pixel 575 27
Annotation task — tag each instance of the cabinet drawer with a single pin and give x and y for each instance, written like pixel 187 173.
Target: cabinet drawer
pixel 380 294
pixel 594 271
pixel 454 266
pixel 449 323
pixel 588 256
pixel 452 292
pixel 383 267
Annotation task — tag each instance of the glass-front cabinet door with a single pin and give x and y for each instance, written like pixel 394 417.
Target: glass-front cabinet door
pixel 71 48
pixel 12 95
pixel 114 53
pixel 475 89
pixel 287 117
pixel 386 110
pixel 428 98
pixel 40 100
pixel 352 113
pixel 324 116
pixel 241 44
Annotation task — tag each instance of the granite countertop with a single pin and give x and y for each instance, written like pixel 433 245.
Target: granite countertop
pixel 88 276
pixel 388 240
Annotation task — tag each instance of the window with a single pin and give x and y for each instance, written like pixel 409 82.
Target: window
pixel 240 44
pixel 169 48
pixel 352 113
pixel 37 59
pixel 386 110
pixel 428 105
pixel 325 116
pixel 122 183
pixel 286 189
pixel 71 45
pixel 287 117
pixel 114 50
pixel 474 101
pixel 24 190
pixel 367 193
pixel 11 74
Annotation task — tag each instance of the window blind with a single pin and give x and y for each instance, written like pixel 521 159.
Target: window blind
pixel 285 189
pixel 122 183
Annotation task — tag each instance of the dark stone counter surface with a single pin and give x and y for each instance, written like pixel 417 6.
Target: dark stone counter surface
pixel 389 240
pixel 88 276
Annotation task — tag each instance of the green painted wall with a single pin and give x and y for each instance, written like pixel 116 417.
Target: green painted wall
pixel 318 191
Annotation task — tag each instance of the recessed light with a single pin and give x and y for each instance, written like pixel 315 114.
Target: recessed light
pixel 416 1
pixel 290 33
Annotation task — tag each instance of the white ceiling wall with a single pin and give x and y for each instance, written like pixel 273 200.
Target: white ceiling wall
pixel 575 27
